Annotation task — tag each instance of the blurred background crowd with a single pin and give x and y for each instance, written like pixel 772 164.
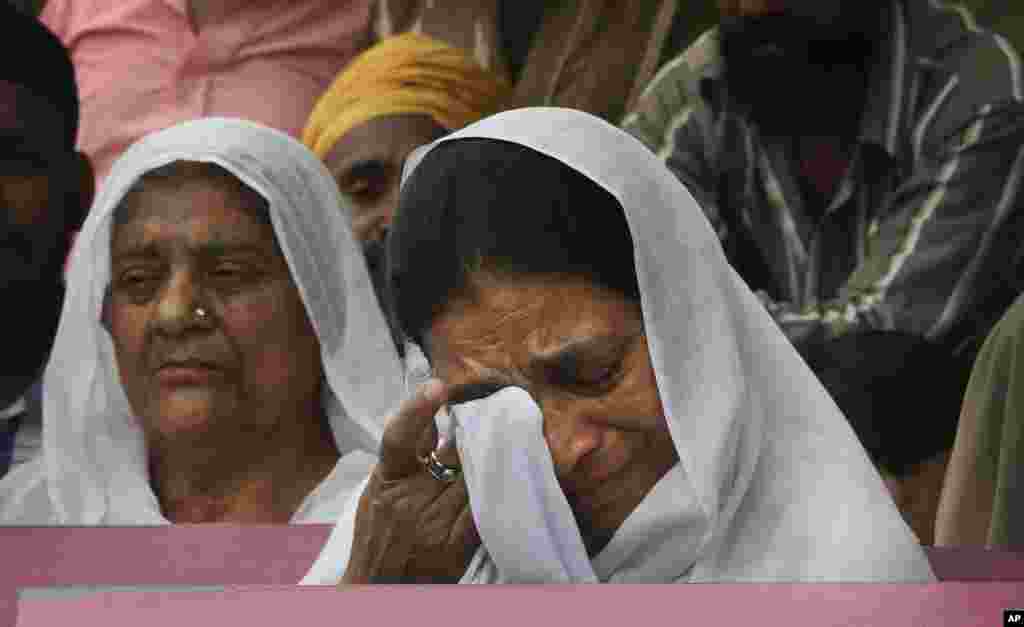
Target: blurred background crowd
pixel 860 161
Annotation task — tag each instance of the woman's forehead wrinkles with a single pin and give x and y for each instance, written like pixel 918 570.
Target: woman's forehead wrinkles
pixel 482 341
pixel 483 324
pixel 222 224
pixel 468 340
pixel 549 339
pixel 139 233
pixel 475 369
pixel 578 318
pixel 212 239
pixel 535 318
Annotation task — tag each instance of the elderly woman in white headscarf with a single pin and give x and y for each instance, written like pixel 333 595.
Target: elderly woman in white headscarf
pixel 624 410
pixel 221 356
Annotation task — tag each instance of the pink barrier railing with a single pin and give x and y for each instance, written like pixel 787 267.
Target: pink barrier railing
pixel 213 555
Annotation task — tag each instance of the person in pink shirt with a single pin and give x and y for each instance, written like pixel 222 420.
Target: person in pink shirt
pixel 145 65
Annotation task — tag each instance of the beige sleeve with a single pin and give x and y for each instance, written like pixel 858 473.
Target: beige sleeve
pixel 595 55
pixel 592 55
pixel 967 503
pixel 965 507
pixel 470 25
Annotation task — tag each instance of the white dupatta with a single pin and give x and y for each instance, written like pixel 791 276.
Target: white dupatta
pixel 772 484
pixel 93 467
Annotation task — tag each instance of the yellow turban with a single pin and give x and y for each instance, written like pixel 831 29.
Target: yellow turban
pixel 408 73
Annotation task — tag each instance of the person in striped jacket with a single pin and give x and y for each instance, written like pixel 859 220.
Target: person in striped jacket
pixel 861 161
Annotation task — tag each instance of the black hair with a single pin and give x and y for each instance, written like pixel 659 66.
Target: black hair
pixel 900 392
pixel 39 62
pixel 489 205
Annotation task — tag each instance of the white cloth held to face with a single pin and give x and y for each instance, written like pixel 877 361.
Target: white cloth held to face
pixel 499 437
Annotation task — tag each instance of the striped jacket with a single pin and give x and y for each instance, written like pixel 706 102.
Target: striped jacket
pixel 922 234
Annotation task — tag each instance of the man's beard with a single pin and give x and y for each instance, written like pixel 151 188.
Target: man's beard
pixel 375 255
pixel 793 79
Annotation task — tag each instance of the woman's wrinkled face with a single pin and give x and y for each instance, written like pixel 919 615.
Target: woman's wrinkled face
pixel 581 352
pixel 367 165
pixel 252 359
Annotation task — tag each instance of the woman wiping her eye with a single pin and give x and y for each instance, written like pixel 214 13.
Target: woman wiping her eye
pixel 625 410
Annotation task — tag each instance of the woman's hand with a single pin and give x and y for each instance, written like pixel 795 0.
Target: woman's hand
pixel 411 527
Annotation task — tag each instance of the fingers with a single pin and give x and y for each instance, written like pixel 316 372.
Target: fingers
pixel 428 440
pixel 382 542
pixel 448 531
pixel 405 432
pixel 464 535
pixel 448 454
pixel 389 557
pixel 453 499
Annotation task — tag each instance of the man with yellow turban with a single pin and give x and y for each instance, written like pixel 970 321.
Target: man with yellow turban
pixel 405 91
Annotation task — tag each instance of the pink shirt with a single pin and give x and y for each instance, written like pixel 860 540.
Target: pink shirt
pixel 141 67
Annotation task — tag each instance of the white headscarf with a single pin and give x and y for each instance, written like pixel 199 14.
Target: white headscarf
pixel 771 485
pixel 93 468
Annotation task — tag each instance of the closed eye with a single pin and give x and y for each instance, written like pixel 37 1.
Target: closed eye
pixel 229 270
pixel 135 276
pixel 137 285
pixel 588 365
pixel 234 275
pixel 599 377
pixel 367 179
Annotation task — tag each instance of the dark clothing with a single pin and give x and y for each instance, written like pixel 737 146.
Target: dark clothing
pixel 21 430
pixel 907 241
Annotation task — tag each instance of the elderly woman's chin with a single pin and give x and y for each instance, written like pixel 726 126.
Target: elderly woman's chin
pixel 183 401
pixel 185 409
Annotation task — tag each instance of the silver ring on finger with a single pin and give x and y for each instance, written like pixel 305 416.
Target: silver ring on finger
pixel 439 471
